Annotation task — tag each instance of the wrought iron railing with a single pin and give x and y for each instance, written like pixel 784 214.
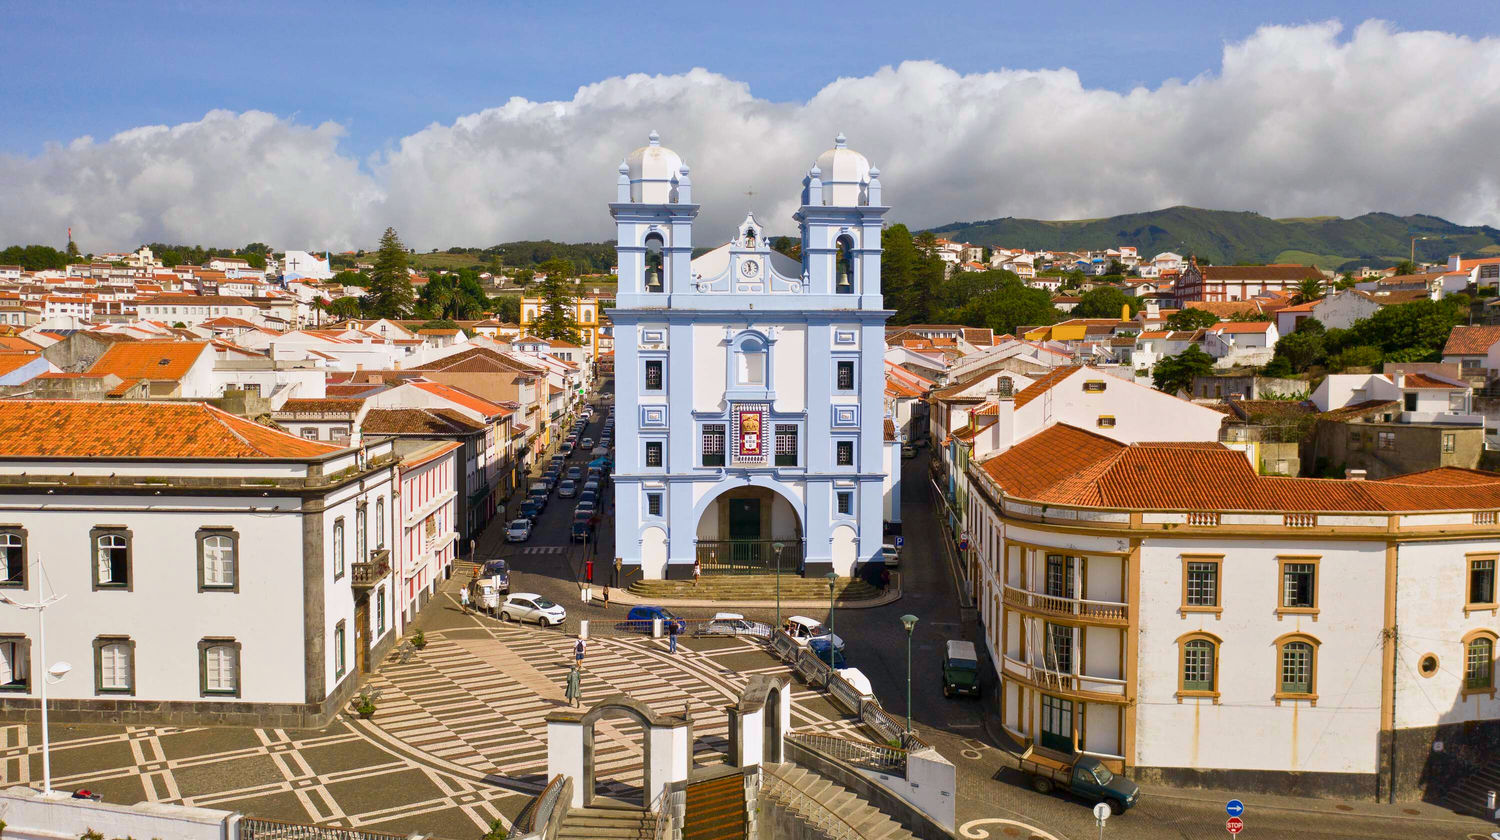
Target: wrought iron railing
pixel 749 557
pixel 881 759
pixel 538 812
pixel 260 829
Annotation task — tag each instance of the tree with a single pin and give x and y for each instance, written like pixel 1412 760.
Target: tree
pixel 1105 302
pixel 1011 306
pixel 34 257
pixel 351 278
pixel 788 246
pixel 1309 289
pixel 73 252
pixel 390 293
pixel 1191 319
pixel 345 308
pixel 1360 356
pixel 555 317
pixel 1300 350
pixel 1418 329
pixel 1406 267
pixel 508 308
pixel 1176 373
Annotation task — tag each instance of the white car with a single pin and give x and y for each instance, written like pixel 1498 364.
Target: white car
pixel 518 531
pixel 528 606
pixel 803 630
pixel 892 556
pixel 734 624
pixel 568 489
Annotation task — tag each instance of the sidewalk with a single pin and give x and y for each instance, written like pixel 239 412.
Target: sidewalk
pixel 628 598
pixel 1414 812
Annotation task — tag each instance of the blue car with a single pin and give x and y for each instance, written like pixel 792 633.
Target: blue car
pixel 530 509
pixel 640 618
pixel 819 648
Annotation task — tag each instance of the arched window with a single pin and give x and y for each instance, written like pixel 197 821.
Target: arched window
pixel 379 522
pixel 1198 665
pixel 843 271
pixel 750 362
pixel 656 271
pixel 1479 661
pixel 216 555
pixel 1297 667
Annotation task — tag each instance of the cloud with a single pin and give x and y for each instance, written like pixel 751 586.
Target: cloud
pixel 1296 121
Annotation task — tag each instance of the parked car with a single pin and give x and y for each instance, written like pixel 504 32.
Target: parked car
pixel 581 528
pixel 1086 777
pixel 803 630
pixel 590 486
pixel 589 496
pixel 640 618
pixel 819 647
pixel 734 624
pixel 960 669
pixel 586 443
pixel 892 556
pixel 857 678
pixel 539 496
pixel 575 472
pixel 908 451
pixel 568 489
pixel 519 530
pixel 528 606
pixel 494 574
pixel 544 483
pixel 531 509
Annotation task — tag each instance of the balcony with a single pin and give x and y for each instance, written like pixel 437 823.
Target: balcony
pixel 1107 613
pixel 364 576
pixel 1077 686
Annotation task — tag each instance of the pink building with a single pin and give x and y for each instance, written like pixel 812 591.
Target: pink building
pixel 426 525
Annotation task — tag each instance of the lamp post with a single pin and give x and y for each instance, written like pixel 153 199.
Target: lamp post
pixel 778 546
pixel 57 671
pixel 832 581
pixel 908 621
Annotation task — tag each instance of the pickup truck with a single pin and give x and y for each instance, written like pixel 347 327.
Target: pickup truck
pixel 1086 778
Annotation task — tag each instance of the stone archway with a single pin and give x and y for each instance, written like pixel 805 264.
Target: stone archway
pixel 665 746
pixel 739 525
pixel 758 722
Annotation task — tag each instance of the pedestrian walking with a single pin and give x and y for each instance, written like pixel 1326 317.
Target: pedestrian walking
pixel 463 599
pixel 672 636
pixel 578 651
pixel 697 570
pixel 575 686
pixel 606 596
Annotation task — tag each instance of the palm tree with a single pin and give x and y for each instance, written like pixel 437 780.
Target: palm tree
pixel 1309 290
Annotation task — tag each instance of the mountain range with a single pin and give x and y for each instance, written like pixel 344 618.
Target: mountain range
pixel 1242 237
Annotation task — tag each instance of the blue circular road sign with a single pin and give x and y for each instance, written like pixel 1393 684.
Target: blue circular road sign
pixel 1234 807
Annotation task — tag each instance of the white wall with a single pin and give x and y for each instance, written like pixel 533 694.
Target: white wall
pixel 1432 587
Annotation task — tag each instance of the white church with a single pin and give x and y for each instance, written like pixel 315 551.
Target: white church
pixel 750 386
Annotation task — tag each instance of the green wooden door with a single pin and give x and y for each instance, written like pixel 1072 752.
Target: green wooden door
pixel 744 530
pixel 1057 724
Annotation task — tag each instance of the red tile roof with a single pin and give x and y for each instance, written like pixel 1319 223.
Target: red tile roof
pixel 14 361
pixel 1471 341
pixel 1045 384
pixel 78 429
pixel 1420 380
pixel 458 396
pixel 155 360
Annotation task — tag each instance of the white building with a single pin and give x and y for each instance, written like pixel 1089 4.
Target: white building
pixel 210 567
pixel 1163 607
pixel 749 386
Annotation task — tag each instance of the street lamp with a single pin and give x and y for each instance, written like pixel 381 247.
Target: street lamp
pixel 778 546
pixel 832 581
pixel 54 673
pixel 908 621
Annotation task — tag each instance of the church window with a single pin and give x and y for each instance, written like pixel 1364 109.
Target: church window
pixel 655 264
pixel 653 375
pixel 844 267
pixel 653 453
pixel 750 363
pixel 844 451
pixel 845 376
pixel 786 445
pixel 713 445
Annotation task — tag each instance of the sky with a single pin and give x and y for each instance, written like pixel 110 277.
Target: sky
pixel 461 123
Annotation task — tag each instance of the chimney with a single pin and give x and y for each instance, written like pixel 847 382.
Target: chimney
pixel 1355 475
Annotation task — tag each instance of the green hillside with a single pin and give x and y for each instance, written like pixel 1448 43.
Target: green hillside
pixel 1226 236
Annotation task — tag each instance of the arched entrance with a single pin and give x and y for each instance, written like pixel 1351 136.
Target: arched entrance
pixel 771 727
pixel 740 529
pixel 758 722
pixel 617 758
pixel 660 752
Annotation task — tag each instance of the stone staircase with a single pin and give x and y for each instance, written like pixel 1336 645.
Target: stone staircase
pixel 1468 797
pixel 832 809
pixel 715 809
pixel 739 588
pixel 596 822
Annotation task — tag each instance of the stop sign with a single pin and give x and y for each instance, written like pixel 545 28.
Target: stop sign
pixel 1235 825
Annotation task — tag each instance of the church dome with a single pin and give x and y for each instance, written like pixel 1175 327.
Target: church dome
pixel 652 169
pixel 844 173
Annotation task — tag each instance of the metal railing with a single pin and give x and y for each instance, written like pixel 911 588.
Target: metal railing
pixel 1059 680
pixel 881 759
pixel 251 828
pixel 748 557
pixel 814 812
pixel 1074 607
pixel 539 811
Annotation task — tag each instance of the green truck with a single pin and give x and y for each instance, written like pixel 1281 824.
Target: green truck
pixel 1086 778
pixel 960 669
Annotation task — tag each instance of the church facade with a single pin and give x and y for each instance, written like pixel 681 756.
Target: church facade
pixel 749 386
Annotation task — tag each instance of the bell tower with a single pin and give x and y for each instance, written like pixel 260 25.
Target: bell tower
pixel 840 220
pixel 653 212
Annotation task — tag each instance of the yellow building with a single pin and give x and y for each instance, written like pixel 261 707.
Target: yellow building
pixel 586 314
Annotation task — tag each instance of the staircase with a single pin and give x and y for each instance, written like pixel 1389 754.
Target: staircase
pixel 606 823
pixel 715 809
pixel 739 588
pixel 1468 797
pixel 839 814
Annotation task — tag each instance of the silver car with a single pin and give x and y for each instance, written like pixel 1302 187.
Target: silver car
pixel 734 624
pixel 528 606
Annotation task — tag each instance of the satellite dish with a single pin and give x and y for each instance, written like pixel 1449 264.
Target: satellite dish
pixel 59 670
